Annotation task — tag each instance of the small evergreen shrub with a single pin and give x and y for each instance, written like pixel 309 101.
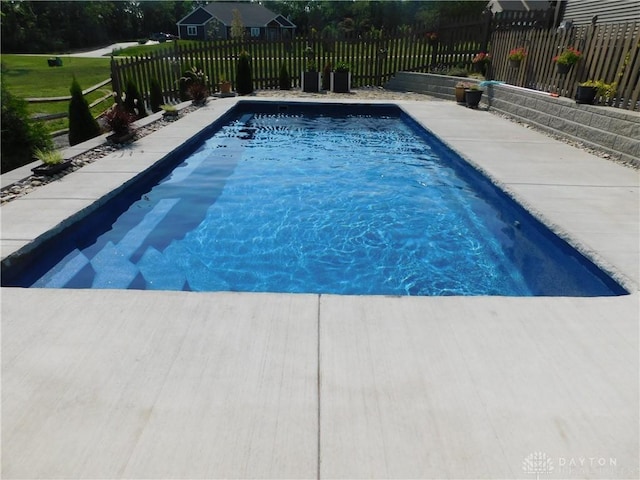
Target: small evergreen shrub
pixel 326 77
pixel 285 79
pixel 156 99
pixel 82 125
pixel 133 101
pixel 21 136
pixel 244 81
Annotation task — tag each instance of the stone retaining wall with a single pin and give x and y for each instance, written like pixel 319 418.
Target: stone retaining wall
pixel 612 130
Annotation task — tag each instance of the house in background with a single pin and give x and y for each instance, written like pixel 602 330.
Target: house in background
pixel 582 12
pixel 214 21
pixel 576 12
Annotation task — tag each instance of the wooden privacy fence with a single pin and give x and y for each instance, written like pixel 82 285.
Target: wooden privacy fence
pixel 372 60
pixel 610 52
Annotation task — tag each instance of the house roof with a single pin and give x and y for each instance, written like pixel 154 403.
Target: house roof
pixel 252 15
pixel 518 5
pixel 198 17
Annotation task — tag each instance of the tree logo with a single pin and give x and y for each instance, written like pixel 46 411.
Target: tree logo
pixel 537 463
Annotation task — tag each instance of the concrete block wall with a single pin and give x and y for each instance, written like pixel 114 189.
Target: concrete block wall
pixel 612 130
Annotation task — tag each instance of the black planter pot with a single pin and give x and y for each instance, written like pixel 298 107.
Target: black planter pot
pixel 472 97
pixel 340 82
pixel 586 95
pixel 51 169
pixel 563 68
pixel 121 137
pixel 515 64
pixel 480 67
pixel 311 81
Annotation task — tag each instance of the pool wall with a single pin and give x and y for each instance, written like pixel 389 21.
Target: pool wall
pixel 27 265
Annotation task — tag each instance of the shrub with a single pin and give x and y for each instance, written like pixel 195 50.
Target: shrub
pixel 20 135
pixel 458 72
pixel 119 119
pixel 133 101
pixel 193 81
pixel 182 90
pixel 82 125
pixel 48 157
pixel 244 81
pixel 606 90
pixel 155 96
pixel 326 77
pixel 285 79
pixel 198 92
pixel 342 67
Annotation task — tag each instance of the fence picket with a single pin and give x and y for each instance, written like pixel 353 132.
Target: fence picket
pixel 610 53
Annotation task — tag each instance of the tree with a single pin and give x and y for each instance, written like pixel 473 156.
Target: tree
pixel 285 78
pixel 156 98
pixel 133 101
pixel 244 81
pixel 82 125
pixel 20 135
pixel 237 27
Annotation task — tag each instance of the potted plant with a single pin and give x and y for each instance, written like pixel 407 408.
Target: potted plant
pixel 516 56
pixel 567 59
pixel 341 78
pixel 224 85
pixel 119 121
pixel 432 38
pixel 52 162
pixel 311 77
pixel 587 92
pixel 199 93
pixel 460 92
pixel 169 111
pixel 195 83
pixel 472 96
pixel 481 62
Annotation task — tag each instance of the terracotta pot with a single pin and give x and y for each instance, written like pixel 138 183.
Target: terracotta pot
pixel 460 95
pixel 225 87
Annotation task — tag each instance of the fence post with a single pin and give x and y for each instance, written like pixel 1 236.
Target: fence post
pixel 115 78
pixel 486 30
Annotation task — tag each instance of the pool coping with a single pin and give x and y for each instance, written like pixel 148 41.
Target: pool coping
pixel 156 146
pixel 182 384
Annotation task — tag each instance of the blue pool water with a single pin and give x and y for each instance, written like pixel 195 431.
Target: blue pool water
pixel 345 200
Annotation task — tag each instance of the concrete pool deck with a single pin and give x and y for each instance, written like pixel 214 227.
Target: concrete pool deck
pixel 143 384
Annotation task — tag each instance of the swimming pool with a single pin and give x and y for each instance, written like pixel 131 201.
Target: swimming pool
pixel 323 199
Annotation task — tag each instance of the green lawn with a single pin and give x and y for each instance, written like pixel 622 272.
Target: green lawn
pixel 29 76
